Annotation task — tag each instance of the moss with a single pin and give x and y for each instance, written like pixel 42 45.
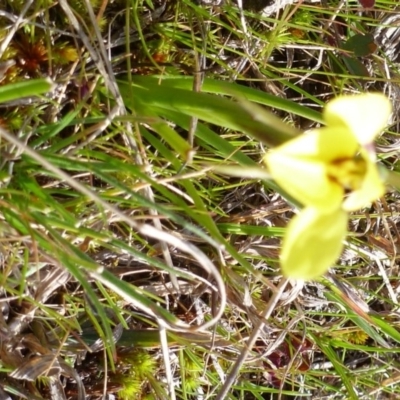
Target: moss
pixel 139 365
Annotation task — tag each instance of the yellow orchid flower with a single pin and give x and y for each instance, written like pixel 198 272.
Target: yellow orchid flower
pixel 318 167
pixel 330 171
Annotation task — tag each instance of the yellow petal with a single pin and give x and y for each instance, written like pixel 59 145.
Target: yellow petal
pixel 304 180
pixel 301 166
pixel 313 243
pixel 372 187
pixel 365 115
pixel 324 144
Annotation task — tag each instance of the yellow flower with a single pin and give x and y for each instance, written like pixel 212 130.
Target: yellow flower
pixel 330 171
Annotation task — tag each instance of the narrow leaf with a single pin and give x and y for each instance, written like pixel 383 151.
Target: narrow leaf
pixel 34 87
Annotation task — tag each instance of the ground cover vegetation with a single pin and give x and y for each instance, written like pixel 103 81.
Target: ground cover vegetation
pixel 140 232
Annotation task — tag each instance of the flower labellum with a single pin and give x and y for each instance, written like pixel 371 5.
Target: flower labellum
pixel 313 239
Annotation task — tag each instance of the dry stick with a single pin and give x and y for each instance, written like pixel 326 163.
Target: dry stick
pixel 252 339
pixel 102 8
pixel 105 380
pixel 143 229
pixel 167 362
pixel 246 42
pixel 200 65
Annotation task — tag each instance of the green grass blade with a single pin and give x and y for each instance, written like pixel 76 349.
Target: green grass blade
pixel 18 90
pixel 210 108
pixel 221 87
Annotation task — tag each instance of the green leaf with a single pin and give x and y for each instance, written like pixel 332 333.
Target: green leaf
pixel 150 97
pixel 355 67
pixel 33 87
pixel 361 45
pixel 387 328
pixel 220 87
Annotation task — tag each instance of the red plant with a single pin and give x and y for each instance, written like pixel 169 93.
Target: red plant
pixel 367 3
pixel 30 57
pixel 282 356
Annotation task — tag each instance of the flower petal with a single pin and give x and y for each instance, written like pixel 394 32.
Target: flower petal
pixel 371 189
pixel 312 243
pixel 365 115
pixel 301 165
pixel 305 180
pixel 324 144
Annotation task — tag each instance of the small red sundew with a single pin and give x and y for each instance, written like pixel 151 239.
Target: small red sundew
pixel 31 57
pixel 298 33
pixel 3 123
pixel 282 356
pixel 160 58
pixel 367 3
